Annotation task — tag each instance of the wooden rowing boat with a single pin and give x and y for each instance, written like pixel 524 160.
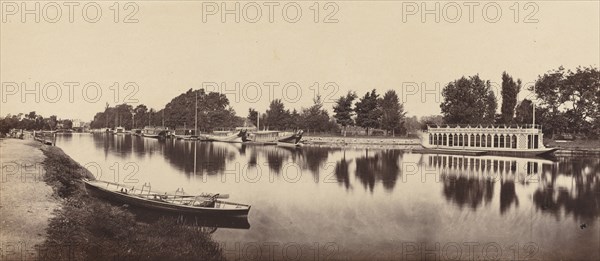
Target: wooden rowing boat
pixel 239 137
pixel 291 140
pixel 203 204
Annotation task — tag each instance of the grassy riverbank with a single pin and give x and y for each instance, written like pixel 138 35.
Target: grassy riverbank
pixel 360 142
pixel 587 145
pixel 87 228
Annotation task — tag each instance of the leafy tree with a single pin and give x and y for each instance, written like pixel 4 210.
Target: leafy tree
pixel 368 113
pixel 392 113
pixel 252 115
pixel 277 117
pixel 123 115
pixel 315 118
pixel 141 116
pixel 223 118
pixel 263 120
pixel 31 115
pixel 67 124
pixel 152 117
pixel 524 112
pixel 343 110
pixel 547 89
pixel 7 123
pixel 213 112
pixel 573 95
pixel 490 108
pixel 51 122
pixel 468 101
pixel 582 92
pixel 510 90
pixel 412 124
pixel 431 120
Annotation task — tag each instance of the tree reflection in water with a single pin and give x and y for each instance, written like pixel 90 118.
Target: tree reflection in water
pixel 571 187
pixel 464 191
pixel 508 195
pixel 381 165
pixel 314 160
pixel 198 157
pixel 342 171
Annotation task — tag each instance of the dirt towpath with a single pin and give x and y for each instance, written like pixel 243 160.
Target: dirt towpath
pixel 26 201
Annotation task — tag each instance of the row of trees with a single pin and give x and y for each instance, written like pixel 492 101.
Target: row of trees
pixel 277 117
pixel 566 102
pixel 32 121
pixel 369 112
pixel 213 112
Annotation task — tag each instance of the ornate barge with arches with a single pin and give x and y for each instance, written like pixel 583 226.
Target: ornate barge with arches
pixel 513 140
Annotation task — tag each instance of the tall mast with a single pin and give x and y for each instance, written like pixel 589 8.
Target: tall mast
pixel 258 121
pixel 163 118
pixel 196 118
pixel 533 105
pixel 106 116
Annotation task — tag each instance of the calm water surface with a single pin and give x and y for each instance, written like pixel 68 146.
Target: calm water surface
pixel 356 204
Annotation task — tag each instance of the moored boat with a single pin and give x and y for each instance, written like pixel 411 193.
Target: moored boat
pixel 154 132
pixel 503 140
pixel 136 132
pixel 239 137
pixel 291 140
pixel 203 204
pixel 119 131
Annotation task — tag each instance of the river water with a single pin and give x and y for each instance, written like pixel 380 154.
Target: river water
pixel 367 204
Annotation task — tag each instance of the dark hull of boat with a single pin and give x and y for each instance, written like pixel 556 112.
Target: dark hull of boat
pixel 512 153
pixel 163 206
pixel 150 216
pixel 289 144
pixel 536 153
pixel 450 152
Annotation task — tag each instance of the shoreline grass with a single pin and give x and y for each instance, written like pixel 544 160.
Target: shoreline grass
pixel 583 145
pixel 88 228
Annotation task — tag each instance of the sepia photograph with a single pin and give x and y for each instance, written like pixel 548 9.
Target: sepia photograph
pixel 299 130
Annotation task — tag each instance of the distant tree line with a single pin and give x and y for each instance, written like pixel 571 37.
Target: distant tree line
pixel 32 121
pixel 369 112
pixel 277 117
pixel 213 112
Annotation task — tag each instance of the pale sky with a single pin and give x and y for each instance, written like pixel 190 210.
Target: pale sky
pixel 171 49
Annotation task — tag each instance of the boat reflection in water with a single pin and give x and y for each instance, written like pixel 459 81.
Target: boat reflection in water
pixel 208 224
pixel 493 167
pixel 471 180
